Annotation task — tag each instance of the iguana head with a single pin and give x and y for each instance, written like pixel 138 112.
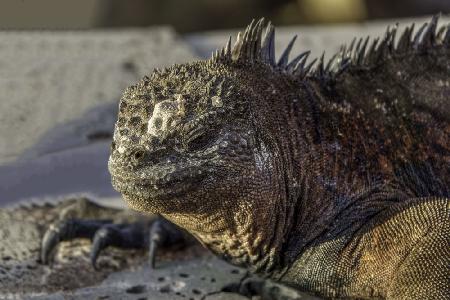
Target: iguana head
pixel 183 140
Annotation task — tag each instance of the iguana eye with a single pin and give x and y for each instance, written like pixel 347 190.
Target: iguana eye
pixel 138 154
pixel 200 142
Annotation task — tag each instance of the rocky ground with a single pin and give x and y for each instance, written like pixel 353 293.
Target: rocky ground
pixel 180 273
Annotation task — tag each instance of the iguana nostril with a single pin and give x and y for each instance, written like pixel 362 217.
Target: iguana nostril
pixel 139 154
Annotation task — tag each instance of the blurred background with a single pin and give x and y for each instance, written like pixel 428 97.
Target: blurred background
pixel 200 15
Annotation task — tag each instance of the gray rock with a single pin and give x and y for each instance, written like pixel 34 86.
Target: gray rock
pixel 48 78
pixel 75 171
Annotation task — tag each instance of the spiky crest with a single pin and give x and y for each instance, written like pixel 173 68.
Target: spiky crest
pixel 251 47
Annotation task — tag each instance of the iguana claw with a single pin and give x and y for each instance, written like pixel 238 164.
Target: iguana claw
pixel 158 235
pixel 67 230
pixel 125 236
pixel 141 233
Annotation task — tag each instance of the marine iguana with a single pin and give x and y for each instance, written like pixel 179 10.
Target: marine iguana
pixel 330 177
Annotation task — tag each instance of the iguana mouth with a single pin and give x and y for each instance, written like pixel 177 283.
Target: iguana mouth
pixel 171 185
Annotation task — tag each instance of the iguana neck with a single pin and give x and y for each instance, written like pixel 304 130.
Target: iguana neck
pixel 250 235
pixel 325 182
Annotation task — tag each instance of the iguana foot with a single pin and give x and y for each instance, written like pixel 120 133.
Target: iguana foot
pixel 110 227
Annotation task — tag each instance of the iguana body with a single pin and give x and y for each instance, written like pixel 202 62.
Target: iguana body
pixel 334 181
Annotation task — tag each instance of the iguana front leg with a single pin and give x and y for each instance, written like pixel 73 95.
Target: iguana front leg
pixel 424 273
pixel 110 227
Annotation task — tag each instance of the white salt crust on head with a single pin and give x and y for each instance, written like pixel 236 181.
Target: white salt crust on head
pixel 165 115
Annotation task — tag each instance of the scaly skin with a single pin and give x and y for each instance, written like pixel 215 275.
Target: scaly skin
pixel 334 182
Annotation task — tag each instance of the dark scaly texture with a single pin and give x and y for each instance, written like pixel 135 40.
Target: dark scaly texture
pixel 333 178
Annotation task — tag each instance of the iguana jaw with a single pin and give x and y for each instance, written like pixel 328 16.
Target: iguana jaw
pixel 166 190
pixel 159 182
